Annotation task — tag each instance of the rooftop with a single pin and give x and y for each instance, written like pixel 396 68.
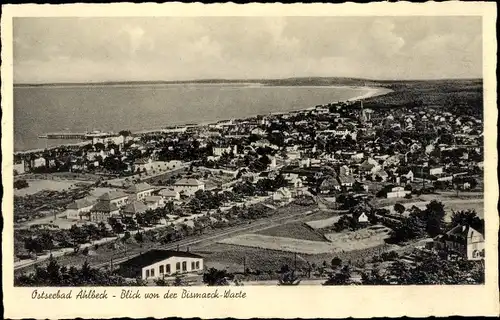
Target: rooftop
pixel 112 195
pixel 155 255
pixel 135 207
pixel 189 182
pixel 136 188
pixel 104 206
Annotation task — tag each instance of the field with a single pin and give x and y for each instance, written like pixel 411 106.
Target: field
pixel 280 244
pixel 323 223
pixel 39 185
pixel 361 239
pixel 296 230
pixel 233 257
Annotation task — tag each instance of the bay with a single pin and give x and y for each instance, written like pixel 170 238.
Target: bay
pixel 42 109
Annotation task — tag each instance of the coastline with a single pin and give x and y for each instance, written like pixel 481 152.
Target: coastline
pixel 370 92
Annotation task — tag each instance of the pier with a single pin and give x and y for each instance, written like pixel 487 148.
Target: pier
pixel 76 135
pixel 64 135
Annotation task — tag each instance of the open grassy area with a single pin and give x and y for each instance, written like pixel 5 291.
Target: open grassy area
pixel 232 257
pixel 323 223
pixel 40 185
pixel 295 230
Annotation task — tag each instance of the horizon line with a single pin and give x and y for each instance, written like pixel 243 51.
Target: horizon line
pixel 255 80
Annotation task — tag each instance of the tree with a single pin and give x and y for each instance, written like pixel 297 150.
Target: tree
pixel 434 217
pixel 468 217
pixel 373 278
pixel 124 133
pixel 341 277
pixel 399 208
pixel 336 262
pixel 20 184
pixel 214 277
pixel 289 279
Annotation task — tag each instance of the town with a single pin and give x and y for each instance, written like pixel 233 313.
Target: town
pixel 371 191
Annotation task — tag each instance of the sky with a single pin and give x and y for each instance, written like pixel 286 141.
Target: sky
pixel 53 49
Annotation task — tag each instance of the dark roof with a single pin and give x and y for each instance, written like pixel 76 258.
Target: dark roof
pixel 136 188
pixel 154 256
pixel 112 195
pixel 104 206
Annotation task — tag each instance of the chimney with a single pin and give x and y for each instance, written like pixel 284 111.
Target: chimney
pixel 177 247
pixel 187 250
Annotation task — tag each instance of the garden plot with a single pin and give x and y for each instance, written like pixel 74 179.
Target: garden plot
pixel 360 239
pixel 281 244
pixel 295 230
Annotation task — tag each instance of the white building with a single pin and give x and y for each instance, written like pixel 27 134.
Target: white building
pixel 79 209
pixel 170 195
pixel 118 198
pixel 465 241
pixel 141 165
pixel 219 151
pixel 189 186
pixel 140 191
pixel 282 194
pixel 19 167
pixel 397 192
pixel 156 264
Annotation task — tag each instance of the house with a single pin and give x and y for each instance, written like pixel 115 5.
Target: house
pixel 345 177
pixel 103 210
pixel 134 208
pixel 435 170
pixel 38 162
pixel 170 195
pixel 142 165
pixel 465 241
pixel 258 131
pixel 367 165
pixel 406 173
pixel 80 208
pixel 263 143
pixel 118 198
pixel 363 218
pixel 397 192
pixel 140 191
pixel 19 167
pixel 189 186
pixel 154 202
pixel 282 194
pixel 219 151
pixel 381 175
pixel 157 263
pixel 329 185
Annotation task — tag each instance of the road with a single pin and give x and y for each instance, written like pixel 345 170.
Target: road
pixel 254 226
pixel 186 242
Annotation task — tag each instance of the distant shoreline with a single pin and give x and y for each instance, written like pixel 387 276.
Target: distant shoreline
pixel 298 81
pixel 371 92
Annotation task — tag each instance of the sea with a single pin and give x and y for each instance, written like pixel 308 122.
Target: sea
pixel 80 108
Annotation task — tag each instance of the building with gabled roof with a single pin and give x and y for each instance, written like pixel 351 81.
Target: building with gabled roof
pixel 157 263
pixel 79 208
pixel 116 197
pixel 140 191
pixel 189 186
pixel 103 210
pixel 465 241
pixel 134 208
